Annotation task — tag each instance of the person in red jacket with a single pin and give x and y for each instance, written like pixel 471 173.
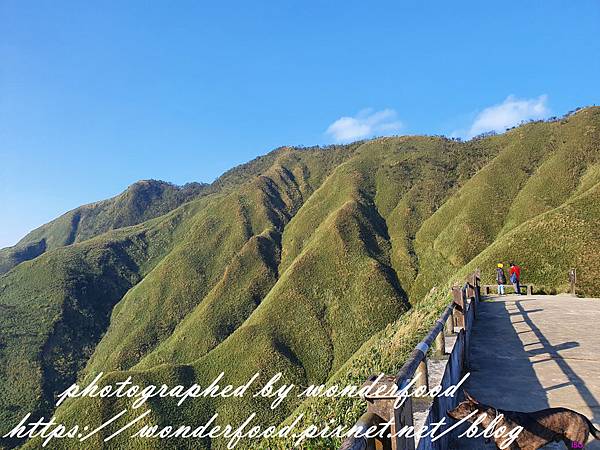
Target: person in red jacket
pixel 514 274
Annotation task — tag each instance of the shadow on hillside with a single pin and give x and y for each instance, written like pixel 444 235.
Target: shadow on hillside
pixel 502 373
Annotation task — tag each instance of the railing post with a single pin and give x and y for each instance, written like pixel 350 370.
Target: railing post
pixel 382 406
pixel 449 325
pixel 459 319
pixel 470 287
pixel 366 421
pixel 423 373
pixel 440 344
pixel 477 280
pixel 458 312
pixel 470 309
pixel 473 299
pixel 403 416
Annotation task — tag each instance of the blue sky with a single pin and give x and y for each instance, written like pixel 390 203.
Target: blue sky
pixel 97 95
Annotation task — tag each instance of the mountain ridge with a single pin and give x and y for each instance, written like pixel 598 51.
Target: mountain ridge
pixel 293 263
pixel 141 201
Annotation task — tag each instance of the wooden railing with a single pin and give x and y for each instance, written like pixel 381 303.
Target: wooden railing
pixel 456 322
pixel 488 288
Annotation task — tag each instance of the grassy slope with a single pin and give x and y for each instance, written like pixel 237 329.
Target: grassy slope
pixel 565 237
pixel 56 307
pixel 59 338
pixel 304 330
pixel 141 201
pixel 550 226
pixel 309 330
pixel 279 269
pixel 540 166
pixel 384 352
pixel 217 240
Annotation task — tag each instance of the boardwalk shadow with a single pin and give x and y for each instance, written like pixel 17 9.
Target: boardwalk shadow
pixel 503 368
pixel 501 373
pixel 552 353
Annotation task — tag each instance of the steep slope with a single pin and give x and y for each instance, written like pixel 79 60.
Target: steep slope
pixel 215 237
pixel 291 263
pixel 245 282
pixel 348 192
pixel 56 307
pixel 305 330
pixel 564 237
pixel 554 229
pixel 172 254
pixel 141 201
pixel 540 166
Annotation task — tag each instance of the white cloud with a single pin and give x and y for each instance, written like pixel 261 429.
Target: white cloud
pixel 510 112
pixel 365 124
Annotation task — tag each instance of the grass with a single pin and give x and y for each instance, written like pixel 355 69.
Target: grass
pixel 141 201
pixel 314 262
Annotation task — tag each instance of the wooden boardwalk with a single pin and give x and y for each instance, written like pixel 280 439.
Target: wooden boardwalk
pixel 535 352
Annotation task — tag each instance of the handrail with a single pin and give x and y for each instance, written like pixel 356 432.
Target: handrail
pixel 366 421
pixel 461 312
pixel 410 366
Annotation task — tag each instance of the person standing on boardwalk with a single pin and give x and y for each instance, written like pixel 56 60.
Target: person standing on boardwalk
pixel 515 277
pixel 500 278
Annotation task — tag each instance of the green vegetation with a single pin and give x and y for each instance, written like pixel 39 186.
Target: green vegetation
pixel 317 263
pixel 141 201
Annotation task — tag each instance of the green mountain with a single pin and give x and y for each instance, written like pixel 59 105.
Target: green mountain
pixel 141 201
pixel 316 262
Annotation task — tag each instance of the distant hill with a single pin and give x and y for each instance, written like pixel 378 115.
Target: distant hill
pixel 317 262
pixel 141 201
